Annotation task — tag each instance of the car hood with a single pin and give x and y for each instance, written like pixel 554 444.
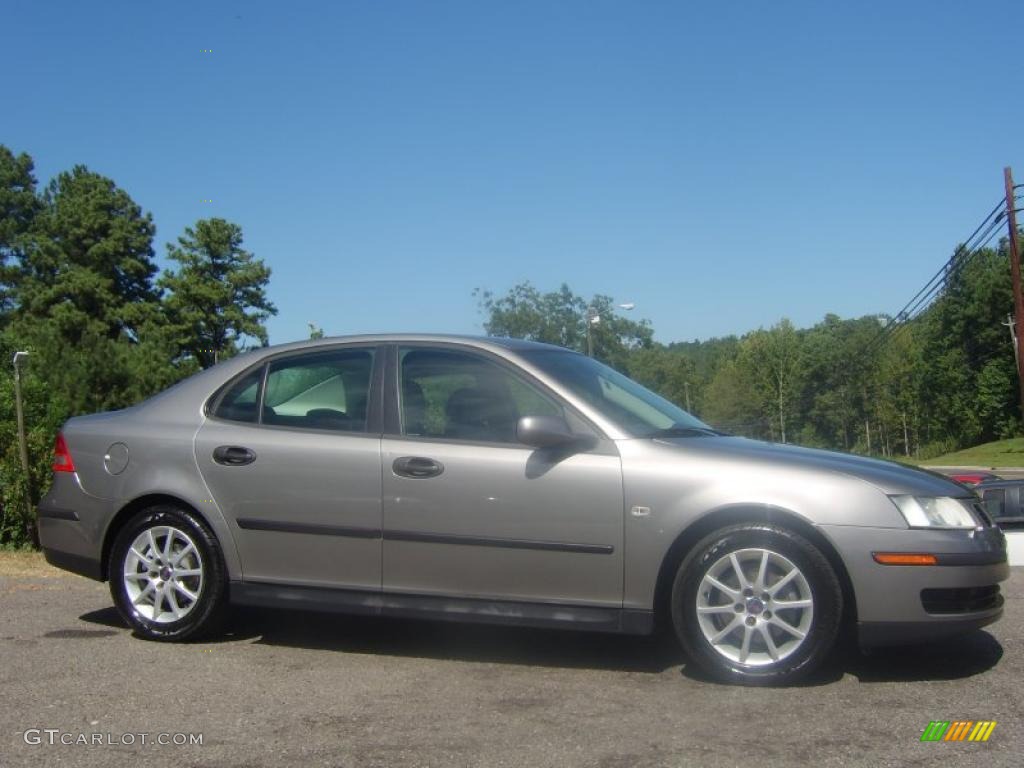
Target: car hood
pixel 888 476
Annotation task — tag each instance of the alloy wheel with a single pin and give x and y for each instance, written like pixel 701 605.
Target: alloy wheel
pixel 163 574
pixel 755 607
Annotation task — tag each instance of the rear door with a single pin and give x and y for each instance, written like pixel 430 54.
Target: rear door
pixel 291 454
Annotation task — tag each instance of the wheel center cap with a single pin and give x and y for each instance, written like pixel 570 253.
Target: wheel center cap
pixel 755 607
pixel 165 573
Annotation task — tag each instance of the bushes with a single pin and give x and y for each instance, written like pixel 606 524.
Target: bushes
pixel 45 411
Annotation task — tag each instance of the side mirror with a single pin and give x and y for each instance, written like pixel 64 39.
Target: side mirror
pixel 544 431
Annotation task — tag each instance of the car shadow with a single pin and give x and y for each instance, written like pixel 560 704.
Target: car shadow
pixel 951 659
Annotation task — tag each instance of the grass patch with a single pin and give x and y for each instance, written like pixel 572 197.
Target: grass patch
pixel 25 563
pixel 1001 453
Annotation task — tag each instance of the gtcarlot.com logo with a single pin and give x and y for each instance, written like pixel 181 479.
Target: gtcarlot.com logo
pixel 958 730
pixel 35 737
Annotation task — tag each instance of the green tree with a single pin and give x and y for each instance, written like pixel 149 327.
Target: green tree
pixel 670 374
pixel 19 207
pixel 731 404
pixel 88 261
pixel 771 361
pixel 218 294
pixel 561 317
pixel 83 294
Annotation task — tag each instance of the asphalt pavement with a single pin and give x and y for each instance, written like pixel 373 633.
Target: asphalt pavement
pixel 314 690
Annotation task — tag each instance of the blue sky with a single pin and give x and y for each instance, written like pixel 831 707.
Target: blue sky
pixel 722 165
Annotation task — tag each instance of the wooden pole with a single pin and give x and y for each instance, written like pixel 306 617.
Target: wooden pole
pixel 1018 297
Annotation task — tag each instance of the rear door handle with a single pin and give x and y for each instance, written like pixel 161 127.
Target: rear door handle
pixel 233 455
pixel 418 467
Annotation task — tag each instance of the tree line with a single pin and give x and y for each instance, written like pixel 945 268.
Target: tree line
pixel 945 380
pixel 81 291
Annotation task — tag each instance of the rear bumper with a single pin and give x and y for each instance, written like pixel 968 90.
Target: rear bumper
pixel 80 564
pixel 70 532
pixel 904 604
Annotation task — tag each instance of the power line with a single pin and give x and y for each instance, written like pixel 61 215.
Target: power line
pixel 952 268
pixel 900 327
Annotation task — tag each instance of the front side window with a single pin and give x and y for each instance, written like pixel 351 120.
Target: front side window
pixel 328 390
pixel 459 396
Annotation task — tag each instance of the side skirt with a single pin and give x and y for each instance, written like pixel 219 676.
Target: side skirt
pixel 435 608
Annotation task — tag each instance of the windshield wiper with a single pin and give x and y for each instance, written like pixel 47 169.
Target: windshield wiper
pixel 678 430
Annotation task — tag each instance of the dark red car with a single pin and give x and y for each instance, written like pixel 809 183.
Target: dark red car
pixel 973 478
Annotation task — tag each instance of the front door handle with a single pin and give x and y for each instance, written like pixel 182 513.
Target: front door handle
pixel 233 455
pixel 418 467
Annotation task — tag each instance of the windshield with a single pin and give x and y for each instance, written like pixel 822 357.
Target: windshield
pixel 637 410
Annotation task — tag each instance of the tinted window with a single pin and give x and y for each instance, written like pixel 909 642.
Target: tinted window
pixel 239 402
pixel 322 391
pixel 995 502
pixel 462 396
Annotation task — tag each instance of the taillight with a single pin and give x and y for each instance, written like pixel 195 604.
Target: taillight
pixel 62 456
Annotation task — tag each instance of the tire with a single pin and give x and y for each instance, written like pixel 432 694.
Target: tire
pixel 167 575
pixel 774 627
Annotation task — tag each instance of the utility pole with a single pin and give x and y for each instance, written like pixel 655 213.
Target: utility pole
pixel 1018 297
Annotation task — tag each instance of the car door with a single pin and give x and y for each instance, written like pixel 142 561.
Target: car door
pixel 469 511
pixel 291 454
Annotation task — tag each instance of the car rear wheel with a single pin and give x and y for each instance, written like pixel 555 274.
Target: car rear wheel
pixel 757 604
pixel 167 575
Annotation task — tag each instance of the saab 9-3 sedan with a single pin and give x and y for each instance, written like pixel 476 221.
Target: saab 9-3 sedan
pixel 495 480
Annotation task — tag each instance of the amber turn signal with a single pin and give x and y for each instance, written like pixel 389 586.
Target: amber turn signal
pixel 904 558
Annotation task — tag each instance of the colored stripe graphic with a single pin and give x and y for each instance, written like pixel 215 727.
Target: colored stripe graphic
pixel 958 730
pixel 935 731
pixel 982 730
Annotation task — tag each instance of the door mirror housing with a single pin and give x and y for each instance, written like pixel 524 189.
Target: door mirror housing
pixel 544 431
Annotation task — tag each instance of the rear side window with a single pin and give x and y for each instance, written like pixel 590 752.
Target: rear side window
pixel 240 402
pixel 328 391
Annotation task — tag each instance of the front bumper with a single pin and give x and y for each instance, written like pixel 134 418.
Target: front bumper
pixel 898 604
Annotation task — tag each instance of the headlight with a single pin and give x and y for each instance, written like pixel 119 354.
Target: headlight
pixel 935 511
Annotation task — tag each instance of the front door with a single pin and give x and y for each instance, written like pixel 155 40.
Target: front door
pixel 290 458
pixel 469 511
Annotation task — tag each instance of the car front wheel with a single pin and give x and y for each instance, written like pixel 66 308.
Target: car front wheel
pixel 756 604
pixel 167 575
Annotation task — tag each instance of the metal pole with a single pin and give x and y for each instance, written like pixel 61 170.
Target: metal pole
pixel 1018 297
pixel 22 443
pixel 591 314
pixel 1013 337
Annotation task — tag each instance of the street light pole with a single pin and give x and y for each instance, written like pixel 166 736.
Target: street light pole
pixel 22 443
pixel 594 317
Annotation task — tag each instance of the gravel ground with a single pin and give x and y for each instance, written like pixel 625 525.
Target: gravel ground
pixel 292 688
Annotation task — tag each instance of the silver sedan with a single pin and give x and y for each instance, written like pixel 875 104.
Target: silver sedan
pixel 503 481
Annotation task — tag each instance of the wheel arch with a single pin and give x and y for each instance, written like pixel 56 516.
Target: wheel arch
pixel 737 514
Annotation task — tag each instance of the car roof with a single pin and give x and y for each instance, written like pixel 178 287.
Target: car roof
pixel 518 345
